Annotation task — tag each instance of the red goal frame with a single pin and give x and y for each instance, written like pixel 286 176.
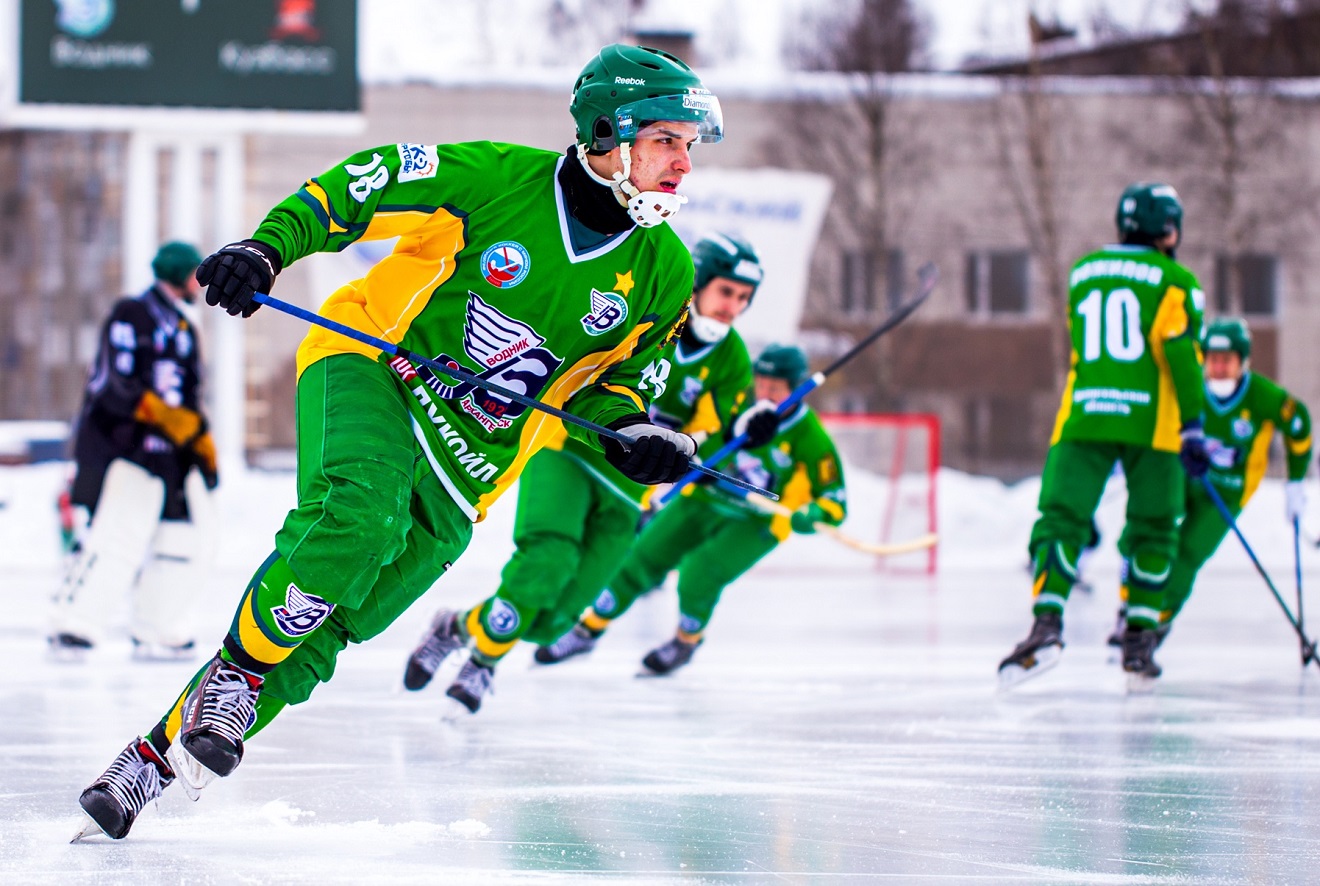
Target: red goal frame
pixel 905 423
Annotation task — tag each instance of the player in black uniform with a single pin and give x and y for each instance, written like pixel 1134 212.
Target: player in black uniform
pixel 140 435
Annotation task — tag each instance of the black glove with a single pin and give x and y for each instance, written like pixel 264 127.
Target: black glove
pixel 760 423
pixel 236 273
pixel 1195 459
pixel 657 455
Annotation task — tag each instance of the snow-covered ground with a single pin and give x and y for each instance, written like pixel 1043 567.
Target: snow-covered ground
pixel 841 723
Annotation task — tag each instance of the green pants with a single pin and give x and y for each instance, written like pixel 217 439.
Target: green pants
pixel 1073 481
pixel 571 533
pixel 709 546
pixel 1199 536
pixel 372 532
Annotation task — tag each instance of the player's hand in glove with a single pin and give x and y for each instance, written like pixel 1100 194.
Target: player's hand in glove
pixel 1294 500
pixel 1195 459
pixel 656 455
pixel 203 449
pixel 805 518
pixel 760 423
pixel 179 423
pixel 236 273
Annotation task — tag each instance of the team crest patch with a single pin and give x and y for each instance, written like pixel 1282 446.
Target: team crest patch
pixel 417 162
pixel 301 613
pixel 510 354
pixel 1242 428
pixel 505 264
pixel 605 602
pixel 608 310
pixel 502 618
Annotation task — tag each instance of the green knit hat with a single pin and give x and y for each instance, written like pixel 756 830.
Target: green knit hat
pixel 175 262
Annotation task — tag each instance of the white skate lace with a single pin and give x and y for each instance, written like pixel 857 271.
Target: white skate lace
pixel 475 679
pixel 571 643
pixel 670 652
pixel 228 704
pixel 132 781
pixel 439 643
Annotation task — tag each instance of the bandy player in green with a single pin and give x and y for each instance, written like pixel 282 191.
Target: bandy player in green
pixel 1243 410
pixel 713 536
pixel 577 515
pixel 1134 396
pixel 552 274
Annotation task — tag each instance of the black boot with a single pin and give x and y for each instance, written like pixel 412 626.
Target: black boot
pixel 1036 654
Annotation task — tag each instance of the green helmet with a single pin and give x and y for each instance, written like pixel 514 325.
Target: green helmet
pixel 719 255
pixel 782 361
pixel 1228 334
pixel 175 262
pixel 1150 209
pixel 626 87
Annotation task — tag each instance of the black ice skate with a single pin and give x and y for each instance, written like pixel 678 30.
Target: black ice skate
pixel 144 650
pixel 1115 638
pixel 669 657
pixel 216 714
pixel 135 778
pixel 578 641
pixel 68 647
pixel 441 641
pixel 471 685
pixel 1036 654
pixel 1139 645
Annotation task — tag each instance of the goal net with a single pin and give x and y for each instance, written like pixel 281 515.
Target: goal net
pixel 890 462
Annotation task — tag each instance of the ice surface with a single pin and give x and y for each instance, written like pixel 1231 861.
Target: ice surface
pixel 840 724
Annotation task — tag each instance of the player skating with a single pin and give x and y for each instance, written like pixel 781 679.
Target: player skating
pixel 550 274
pixel 577 515
pixel 1134 396
pixel 712 536
pixel 1243 410
pixel 145 464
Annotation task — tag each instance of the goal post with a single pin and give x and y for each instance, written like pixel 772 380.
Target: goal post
pixel 891 462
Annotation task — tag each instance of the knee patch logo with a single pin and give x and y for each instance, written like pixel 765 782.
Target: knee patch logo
pixel 605 603
pixel 502 618
pixel 301 613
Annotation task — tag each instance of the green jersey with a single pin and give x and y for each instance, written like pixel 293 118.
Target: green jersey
pixel 1238 432
pixel 1134 320
pixel 491 273
pixel 693 389
pixel 800 465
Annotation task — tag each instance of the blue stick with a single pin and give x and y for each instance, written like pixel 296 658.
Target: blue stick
pixel 1308 648
pixel 463 375
pixel 1297 566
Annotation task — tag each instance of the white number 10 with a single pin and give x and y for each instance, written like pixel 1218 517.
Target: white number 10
pixel 1122 325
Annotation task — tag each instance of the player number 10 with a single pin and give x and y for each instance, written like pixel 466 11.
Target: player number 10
pixel 1122 325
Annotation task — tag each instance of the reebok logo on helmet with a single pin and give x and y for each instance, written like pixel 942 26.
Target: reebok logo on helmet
pixel 630 81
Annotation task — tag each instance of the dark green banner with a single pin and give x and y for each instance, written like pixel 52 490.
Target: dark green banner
pixel 290 55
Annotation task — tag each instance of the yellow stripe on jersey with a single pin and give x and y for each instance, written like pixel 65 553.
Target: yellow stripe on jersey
pixel 540 427
pixel 318 194
pixel 797 492
pixel 629 393
pixel 705 419
pixel 1065 406
pixel 1170 322
pixel 385 302
pixel 1298 447
pixel 1257 460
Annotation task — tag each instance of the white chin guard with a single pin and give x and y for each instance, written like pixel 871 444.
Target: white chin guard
pixel 706 330
pixel 1222 388
pixel 651 208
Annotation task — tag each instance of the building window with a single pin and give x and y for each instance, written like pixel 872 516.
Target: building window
pixel 1248 284
pixel 998 282
pixel 860 283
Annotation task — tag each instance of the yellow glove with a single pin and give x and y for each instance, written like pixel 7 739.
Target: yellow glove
pixel 180 424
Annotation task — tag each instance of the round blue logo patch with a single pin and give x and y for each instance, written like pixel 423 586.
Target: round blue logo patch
pixel 84 18
pixel 505 264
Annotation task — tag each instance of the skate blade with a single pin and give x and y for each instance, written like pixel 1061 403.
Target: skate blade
pixel 1012 675
pixel 1140 684
pixel 191 774
pixel 452 711
pixel 89 829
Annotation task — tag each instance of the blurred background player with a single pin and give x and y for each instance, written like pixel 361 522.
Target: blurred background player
pixel 713 536
pixel 1135 396
pixel 1243 410
pixel 577 515
pixel 144 464
pixel 396 463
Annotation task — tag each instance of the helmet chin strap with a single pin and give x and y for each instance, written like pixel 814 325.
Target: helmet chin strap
pixel 706 330
pixel 646 208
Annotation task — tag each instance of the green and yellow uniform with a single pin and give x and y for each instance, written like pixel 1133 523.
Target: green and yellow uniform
pixel 577 515
pixel 713 536
pixel 1135 318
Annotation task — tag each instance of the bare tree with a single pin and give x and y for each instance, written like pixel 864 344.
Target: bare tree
pixel 866 142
